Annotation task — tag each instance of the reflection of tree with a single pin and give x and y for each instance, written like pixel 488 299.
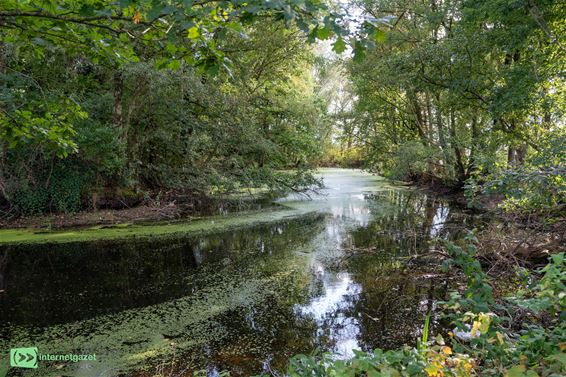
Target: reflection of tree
pixel 393 302
pixel 3 265
pixel 267 332
pixel 402 222
pixel 48 284
pixel 240 314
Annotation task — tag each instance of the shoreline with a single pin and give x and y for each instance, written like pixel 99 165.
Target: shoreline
pixel 194 227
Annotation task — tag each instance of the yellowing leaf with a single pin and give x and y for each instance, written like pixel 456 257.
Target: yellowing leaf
pixel 137 17
pixel 485 320
pixel 475 332
pixel 523 359
pixel 500 337
pixel 434 370
pixel 516 371
pixel 194 32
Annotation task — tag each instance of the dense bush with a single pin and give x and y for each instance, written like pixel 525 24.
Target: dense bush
pixel 58 190
pixel 538 185
pixel 413 161
pixel 31 201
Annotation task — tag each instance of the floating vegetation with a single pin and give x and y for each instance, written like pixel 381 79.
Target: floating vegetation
pixel 208 225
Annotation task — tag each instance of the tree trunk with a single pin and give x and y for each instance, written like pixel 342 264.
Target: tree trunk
pixel 117 118
pixel 419 123
pixel 460 167
pixel 474 146
pixel 516 155
pixel 429 120
pixel 511 156
pixel 3 143
pixel 521 153
pixel 442 135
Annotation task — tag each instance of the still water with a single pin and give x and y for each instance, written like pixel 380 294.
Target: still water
pixel 334 278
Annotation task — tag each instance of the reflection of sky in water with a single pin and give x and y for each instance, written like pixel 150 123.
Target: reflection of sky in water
pixel 439 219
pixel 356 212
pixel 335 291
pixel 328 309
pixel 348 199
pixel 344 197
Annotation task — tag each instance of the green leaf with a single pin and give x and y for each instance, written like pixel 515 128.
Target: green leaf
pixel 359 52
pixel 324 33
pixel 174 64
pixel 379 36
pixel 302 25
pixel 213 69
pixel 171 48
pixel 560 357
pixel 339 46
pixel 155 11
pixel 194 33
pixel 168 10
pixel 516 371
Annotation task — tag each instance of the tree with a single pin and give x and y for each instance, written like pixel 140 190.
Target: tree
pixel 462 78
pixel 167 129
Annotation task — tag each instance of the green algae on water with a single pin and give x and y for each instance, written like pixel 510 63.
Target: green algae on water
pixel 208 225
pixel 131 338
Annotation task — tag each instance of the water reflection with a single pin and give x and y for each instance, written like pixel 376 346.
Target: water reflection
pixel 362 296
pixel 241 301
pixel 49 284
pixel 329 311
pixel 439 219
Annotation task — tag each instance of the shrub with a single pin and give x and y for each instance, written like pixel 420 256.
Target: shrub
pixel 59 191
pixel 65 190
pixel 537 185
pixel 31 201
pixel 413 161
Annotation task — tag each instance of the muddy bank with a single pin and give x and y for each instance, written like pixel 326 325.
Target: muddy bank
pixel 507 239
pixel 100 217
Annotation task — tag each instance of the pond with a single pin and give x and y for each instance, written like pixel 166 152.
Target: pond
pixel 333 278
